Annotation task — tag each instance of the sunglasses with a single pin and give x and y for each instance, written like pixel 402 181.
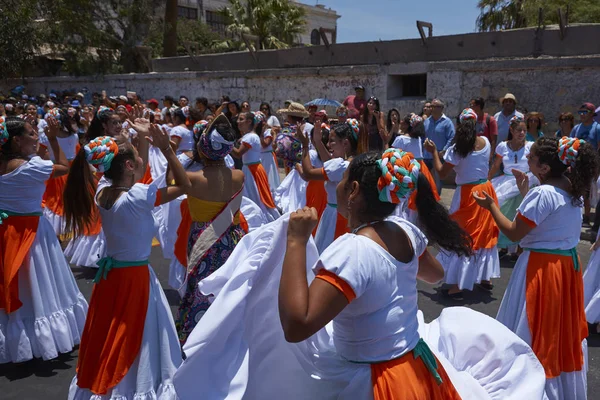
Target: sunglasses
pixel 437 107
pixel 263 109
pixel 373 98
pixel 583 112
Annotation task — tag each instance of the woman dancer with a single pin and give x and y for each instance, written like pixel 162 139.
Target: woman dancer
pixel 129 348
pixel 256 185
pixel 412 142
pixel 469 156
pixel 342 145
pixel 267 154
pixel 544 302
pixel 180 134
pixel 53 197
pixel 42 312
pixel 512 155
pixel 214 202
pixel 359 331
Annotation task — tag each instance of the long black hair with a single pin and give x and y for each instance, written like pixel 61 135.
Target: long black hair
pixel 96 128
pixel 465 137
pixel 365 116
pixel 344 131
pixel 389 118
pixel 417 131
pixel 581 174
pixel 434 220
pixel 15 127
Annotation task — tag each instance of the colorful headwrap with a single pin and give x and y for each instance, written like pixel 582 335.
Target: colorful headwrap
pixel 103 110
pixel 415 119
pixel 186 111
pixel 3 132
pixel 288 147
pixel 568 148
pixel 50 104
pixel 259 116
pixel 199 128
pixel 399 174
pixel 214 146
pixel 467 114
pixel 100 152
pixel 516 118
pixel 121 106
pixel 355 127
pixel 53 112
pixel 71 111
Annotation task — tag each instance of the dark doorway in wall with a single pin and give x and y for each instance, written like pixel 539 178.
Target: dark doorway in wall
pixel 315 37
pixel 407 86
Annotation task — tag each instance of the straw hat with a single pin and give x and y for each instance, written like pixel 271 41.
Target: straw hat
pixel 508 96
pixel 220 119
pixel 295 110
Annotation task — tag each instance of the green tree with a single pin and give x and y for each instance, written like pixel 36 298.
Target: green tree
pixel 197 36
pixel 276 23
pixel 170 29
pixel 511 14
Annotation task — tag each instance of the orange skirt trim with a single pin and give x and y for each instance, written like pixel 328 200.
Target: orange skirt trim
pixel 53 196
pixel 475 220
pixel 262 183
pixel 341 226
pixel 114 328
pixel 17 234
pixel 243 223
pixel 147 178
pixel 412 201
pixel 407 378
pixel 183 233
pixel 338 283
pixel 555 312
pixel 527 221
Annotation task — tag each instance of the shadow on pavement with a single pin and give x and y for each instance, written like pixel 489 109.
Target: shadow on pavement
pixel 476 296
pixel 37 367
pixel 172 297
pixel 84 273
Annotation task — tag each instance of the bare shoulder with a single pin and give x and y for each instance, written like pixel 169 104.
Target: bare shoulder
pixel 14 164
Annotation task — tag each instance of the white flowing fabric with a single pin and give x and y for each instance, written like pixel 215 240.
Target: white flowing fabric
pixel 591 287
pixel 238 351
pixel 52 317
pixel 326 229
pixel 506 186
pixel 291 193
pixel 513 314
pixel 251 192
pixel 56 221
pixel 151 374
pixel 267 159
pixel 85 251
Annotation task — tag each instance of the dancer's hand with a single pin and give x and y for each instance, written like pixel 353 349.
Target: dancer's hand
pixel 595 246
pixel 159 138
pixel 429 146
pixel 522 181
pixel 483 200
pixel 302 223
pixel 52 129
pixel 301 136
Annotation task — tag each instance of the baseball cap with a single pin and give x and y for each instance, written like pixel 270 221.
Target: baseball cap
pixel 124 98
pixel 152 101
pixel 75 103
pixel 588 106
pixel 359 87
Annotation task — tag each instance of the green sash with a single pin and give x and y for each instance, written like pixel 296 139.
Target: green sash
pixel 107 263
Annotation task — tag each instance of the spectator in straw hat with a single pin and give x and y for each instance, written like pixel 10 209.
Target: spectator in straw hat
pixel 509 105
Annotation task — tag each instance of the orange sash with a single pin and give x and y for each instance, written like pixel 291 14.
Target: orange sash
pixel 407 378
pixel 114 328
pixel 183 233
pixel 17 234
pixel 475 220
pixel 555 312
pixel 147 178
pixel 262 184
pixel 412 201
pixel 53 196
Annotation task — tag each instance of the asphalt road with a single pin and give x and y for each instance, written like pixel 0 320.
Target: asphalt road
pixel 49 380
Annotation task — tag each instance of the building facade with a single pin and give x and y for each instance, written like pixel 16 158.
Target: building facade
pixel 317 17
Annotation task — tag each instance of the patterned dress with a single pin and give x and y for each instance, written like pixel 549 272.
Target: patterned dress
pixel 194 304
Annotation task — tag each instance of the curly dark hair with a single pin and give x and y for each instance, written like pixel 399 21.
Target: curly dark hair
pixel 434 220
pixel 465 137
pixel 344 131
pixel 417 131
pixel 581 174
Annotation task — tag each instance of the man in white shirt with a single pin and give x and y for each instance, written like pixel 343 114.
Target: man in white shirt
pixel 509 104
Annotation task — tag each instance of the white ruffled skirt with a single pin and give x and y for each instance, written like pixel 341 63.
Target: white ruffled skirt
pixel 267 159
pixel 251 191
pixel 326 229
pixel 52 317
pixel 591 288
pixel 484 265
pixel 513 315
pixel 239 350
pixel 151 375
pixel 290 195
pixel 56 221
pixel 85 251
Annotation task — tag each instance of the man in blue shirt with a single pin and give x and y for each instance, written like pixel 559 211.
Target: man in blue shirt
pixel 439 129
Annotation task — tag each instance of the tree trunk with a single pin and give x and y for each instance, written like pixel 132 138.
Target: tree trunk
pixel 170 37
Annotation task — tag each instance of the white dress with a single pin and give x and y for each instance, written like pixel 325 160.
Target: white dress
pixel 129 228
pixel 252 142
pixel 591 287
pixel 185 135
pixel 53 313
pixel 334 170
pixel 291 193
pixel 558 227
pixel 267 158
pixel 239 351
pixel 484 264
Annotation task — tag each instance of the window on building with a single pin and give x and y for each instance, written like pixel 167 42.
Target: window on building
pixel 187 12
pixel 315 37
pixel 413 86
pixel 216 22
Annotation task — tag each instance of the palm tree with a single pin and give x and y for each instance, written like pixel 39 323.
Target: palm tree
pixel 170 32
pixel 276 23
pixel 501 14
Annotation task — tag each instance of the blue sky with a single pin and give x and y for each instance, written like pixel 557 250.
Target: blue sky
pixel 372 20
